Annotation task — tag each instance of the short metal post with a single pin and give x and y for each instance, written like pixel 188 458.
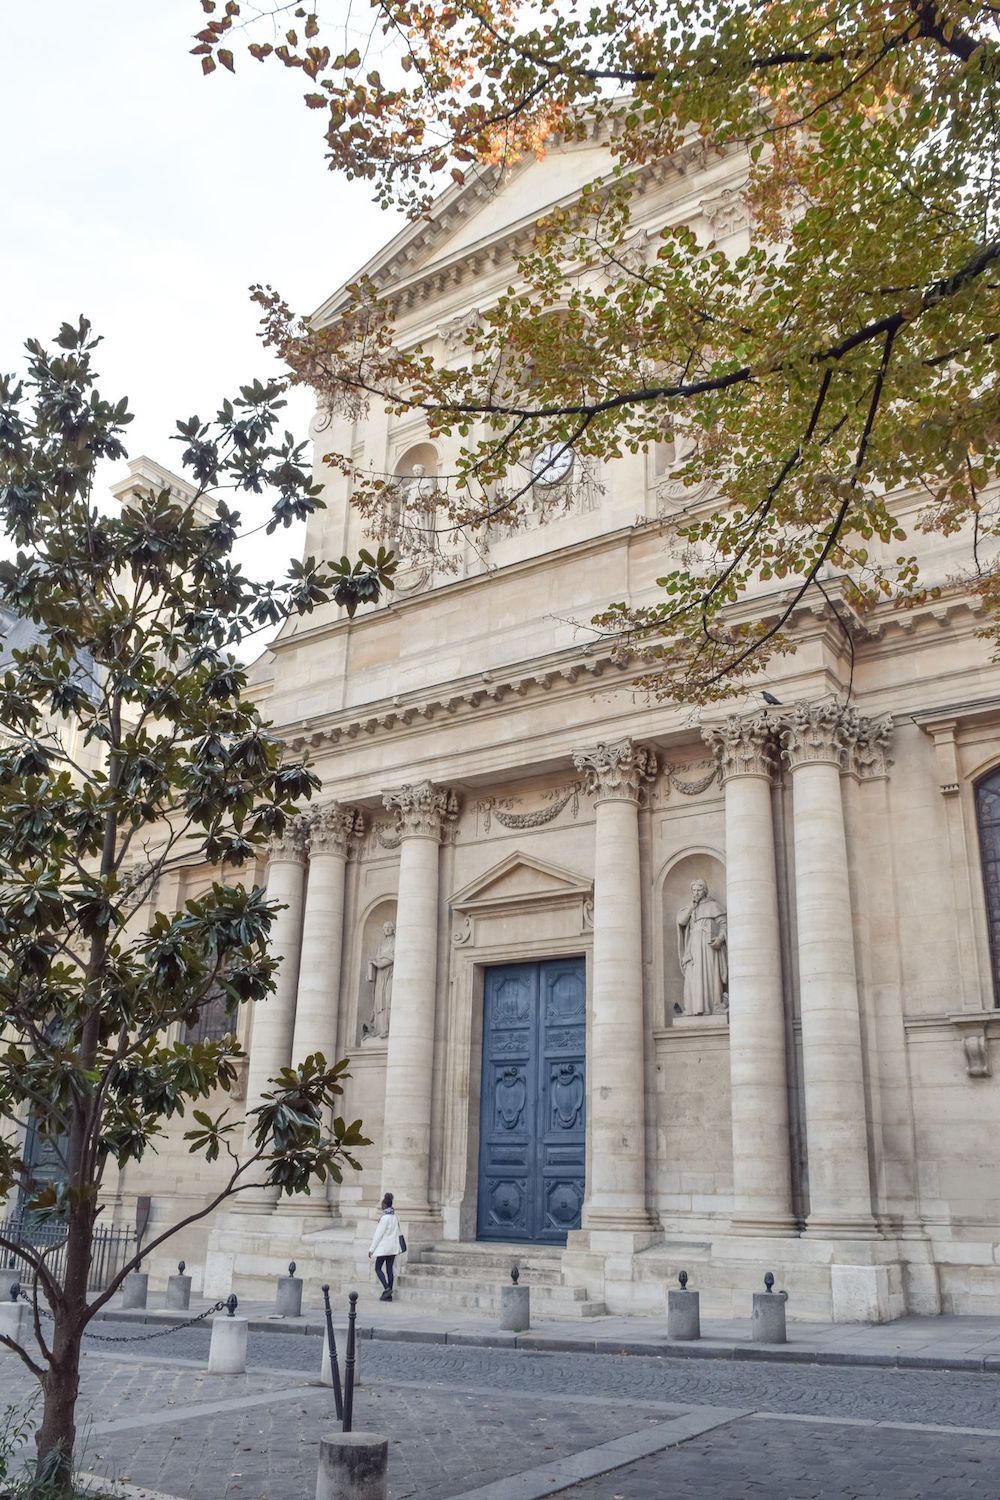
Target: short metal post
pixel 331 1344
pixel 349 1363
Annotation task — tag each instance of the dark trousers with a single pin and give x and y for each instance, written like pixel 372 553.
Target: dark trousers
pixel 385 1276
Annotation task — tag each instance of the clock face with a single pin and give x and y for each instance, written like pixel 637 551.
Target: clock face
pixel 551 464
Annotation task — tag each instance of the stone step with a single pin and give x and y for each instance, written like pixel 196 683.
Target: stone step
pixel 452 1293
pixel 532 1273
pixel 502 1256
pixel 449 1275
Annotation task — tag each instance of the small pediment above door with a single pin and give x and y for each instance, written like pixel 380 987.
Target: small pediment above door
pixel 521 881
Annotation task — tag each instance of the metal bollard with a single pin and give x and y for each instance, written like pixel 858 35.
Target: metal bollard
pixel 515 1305
pixel 330 1368
pixel 227 1353
pixel 767 1325
pixel 683 1311
pixel 179 1289
pixel 134 1289
pixel 352 1317
pixel 288 1301
pixel 353 1466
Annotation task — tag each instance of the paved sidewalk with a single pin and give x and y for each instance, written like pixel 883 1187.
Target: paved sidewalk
pixel 468 1423
pixel 943 1343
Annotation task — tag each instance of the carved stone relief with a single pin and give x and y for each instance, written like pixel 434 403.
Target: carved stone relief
pixel 502 808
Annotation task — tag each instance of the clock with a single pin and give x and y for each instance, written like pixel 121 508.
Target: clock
pixel 551 464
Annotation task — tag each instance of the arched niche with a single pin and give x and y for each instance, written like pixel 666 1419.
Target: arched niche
pixel 418 456
pixel 375 977
pixel 409 523
pixel 675 894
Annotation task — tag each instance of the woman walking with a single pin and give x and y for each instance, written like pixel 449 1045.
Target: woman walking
pixel 387 1243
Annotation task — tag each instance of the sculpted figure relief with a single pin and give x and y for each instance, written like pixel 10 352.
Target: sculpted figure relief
pixel 701 948
pixel 380 967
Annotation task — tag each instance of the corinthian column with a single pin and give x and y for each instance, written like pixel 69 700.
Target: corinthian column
pixel 762 1201
pixel 274 1018
pixel 616 1192
pixel 817 739
pixel 423 810
pixel 323 932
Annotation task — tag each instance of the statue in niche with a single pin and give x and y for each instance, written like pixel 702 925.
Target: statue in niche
pixel 701 948
pixel 380 967
pixel 417 488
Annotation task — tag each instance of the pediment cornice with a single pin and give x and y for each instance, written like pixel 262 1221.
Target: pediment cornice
pixel 405 283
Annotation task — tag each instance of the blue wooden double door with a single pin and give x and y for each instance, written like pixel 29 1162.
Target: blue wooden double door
pixel 533 1111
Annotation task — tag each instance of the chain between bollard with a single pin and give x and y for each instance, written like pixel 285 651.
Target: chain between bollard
pixel 132 1338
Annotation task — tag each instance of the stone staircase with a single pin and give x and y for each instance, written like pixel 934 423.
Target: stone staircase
pixel 469 1276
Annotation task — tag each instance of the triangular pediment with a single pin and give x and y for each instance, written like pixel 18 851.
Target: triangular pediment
pixel 483 210
pixel 520 879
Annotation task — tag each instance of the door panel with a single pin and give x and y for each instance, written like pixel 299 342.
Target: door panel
pixel 533 1120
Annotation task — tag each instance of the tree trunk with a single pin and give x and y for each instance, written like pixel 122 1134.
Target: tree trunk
pixel 56 1436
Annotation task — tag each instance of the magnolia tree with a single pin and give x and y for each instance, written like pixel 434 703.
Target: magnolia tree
pixel 851 351
pixel 138 616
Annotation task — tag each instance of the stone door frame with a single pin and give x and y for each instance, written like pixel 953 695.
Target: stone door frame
pixel 491 929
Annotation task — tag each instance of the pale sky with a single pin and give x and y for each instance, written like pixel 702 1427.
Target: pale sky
pixel 149 198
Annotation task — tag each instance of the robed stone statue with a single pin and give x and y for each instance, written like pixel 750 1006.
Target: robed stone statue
pixel 380 967
pixel 701 949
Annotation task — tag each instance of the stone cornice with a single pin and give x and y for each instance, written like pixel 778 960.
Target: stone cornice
pixel 616 769
pixel 484 691
pixel 389 270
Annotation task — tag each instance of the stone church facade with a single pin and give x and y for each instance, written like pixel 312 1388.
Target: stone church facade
pixel 626 989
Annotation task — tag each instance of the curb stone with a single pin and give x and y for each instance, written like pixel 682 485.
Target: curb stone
pixel 542 1343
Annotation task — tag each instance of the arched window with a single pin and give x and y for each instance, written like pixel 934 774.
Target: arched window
pixel 988 817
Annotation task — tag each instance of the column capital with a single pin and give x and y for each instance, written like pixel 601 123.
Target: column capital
pixel 290 847
pixel 332 827
pixel 870 759
pixel 744 745
pixel 422 809
pixel 615 769
pixel 818 734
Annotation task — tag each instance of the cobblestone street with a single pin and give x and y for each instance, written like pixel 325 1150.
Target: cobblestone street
pixel 516 1425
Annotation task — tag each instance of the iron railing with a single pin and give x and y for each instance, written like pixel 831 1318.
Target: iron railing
pixel 112 1246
